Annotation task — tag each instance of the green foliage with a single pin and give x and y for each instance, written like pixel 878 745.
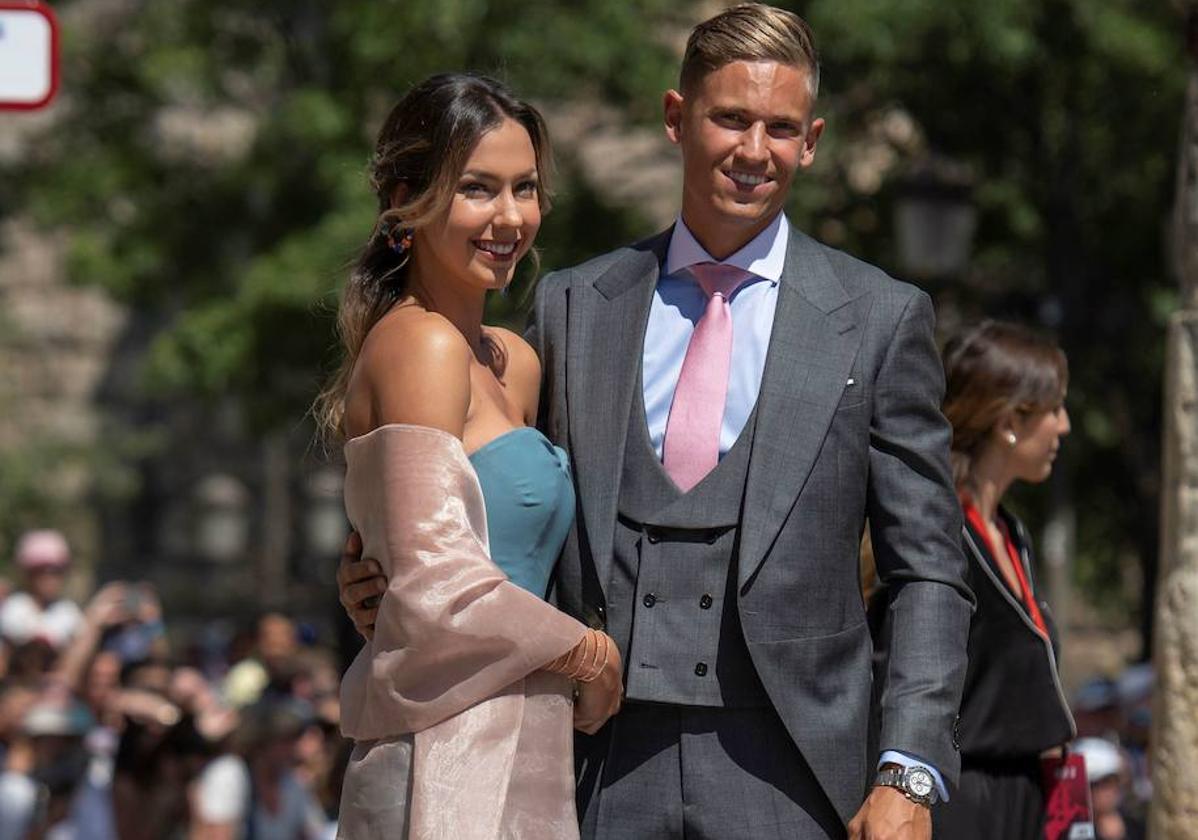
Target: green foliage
pixel 210 168
pixel 25 500
pixel 47 483
pixel 1067 114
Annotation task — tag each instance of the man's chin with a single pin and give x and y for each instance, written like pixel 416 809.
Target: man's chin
pixel 744 214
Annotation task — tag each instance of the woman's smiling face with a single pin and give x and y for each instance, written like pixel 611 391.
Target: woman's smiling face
pixel 494 216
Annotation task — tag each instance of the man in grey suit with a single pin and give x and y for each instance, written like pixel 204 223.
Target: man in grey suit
pixel 737 401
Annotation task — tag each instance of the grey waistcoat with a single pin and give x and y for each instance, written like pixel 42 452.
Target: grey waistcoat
pixel 672 597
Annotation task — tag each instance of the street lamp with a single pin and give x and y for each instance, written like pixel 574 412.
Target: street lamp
pixel 934 219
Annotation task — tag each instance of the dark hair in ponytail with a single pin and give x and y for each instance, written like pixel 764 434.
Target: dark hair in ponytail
pixel 423 146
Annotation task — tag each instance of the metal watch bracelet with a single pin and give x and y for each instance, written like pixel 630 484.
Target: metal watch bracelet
pixel 915 782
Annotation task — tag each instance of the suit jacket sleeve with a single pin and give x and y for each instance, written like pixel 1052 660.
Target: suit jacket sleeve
pixel 533 332
pixel 915 526
pixel 535 335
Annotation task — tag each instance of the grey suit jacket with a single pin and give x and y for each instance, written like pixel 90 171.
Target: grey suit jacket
pixel 849 428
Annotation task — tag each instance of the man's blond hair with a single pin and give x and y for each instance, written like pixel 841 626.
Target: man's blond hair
pixel 749 32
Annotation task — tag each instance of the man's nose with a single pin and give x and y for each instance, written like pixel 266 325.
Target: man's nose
pixel 753 144
pixel 1063 425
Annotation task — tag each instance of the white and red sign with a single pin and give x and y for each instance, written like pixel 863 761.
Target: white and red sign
pixel 28 55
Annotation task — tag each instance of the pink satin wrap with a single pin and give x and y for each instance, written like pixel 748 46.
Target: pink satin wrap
pixel 455 660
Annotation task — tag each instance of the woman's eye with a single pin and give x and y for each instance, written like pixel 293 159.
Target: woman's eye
pixel 474 190
pixel 527 188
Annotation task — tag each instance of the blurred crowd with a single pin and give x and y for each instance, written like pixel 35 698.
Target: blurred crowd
pixel 1113 716
pixel 108 731
pixel 111 729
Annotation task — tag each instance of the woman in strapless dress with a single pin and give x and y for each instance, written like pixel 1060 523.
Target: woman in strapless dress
pixel 463 699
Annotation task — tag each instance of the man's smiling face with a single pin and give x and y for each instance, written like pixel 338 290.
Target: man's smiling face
pixel 744 131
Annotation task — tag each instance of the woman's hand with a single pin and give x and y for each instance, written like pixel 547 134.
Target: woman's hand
pixel 599 699
pixel 594 664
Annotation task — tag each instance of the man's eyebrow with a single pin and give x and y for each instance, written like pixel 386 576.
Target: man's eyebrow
pixel 737 111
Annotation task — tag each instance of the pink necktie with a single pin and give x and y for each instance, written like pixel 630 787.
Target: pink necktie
pixel 692 443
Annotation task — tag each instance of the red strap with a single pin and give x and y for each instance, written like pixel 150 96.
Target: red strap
pixel 1029 600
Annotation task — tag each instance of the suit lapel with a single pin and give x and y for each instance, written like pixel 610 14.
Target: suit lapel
pixel 814 340
pixel 605 328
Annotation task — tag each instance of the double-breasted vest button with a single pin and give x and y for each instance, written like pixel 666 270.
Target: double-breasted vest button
pixel 705 602
pixel 701 669
pixel 649 600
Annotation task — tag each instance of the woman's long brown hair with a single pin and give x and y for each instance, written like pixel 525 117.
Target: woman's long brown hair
pixel 423 146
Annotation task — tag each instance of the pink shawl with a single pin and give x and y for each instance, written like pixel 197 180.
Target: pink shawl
pixel 454 658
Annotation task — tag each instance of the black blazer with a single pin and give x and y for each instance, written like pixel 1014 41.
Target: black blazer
pixel 1013 705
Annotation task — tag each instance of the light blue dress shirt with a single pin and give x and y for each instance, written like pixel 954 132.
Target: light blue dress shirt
pixel 678 304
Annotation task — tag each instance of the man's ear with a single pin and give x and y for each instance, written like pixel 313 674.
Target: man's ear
pixel 810 141
pixel 672 110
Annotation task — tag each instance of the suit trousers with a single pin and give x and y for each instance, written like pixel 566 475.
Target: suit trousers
pixel 666 772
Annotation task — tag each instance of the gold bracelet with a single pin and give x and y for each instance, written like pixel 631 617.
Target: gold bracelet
pixel 596 671
pixel 578 657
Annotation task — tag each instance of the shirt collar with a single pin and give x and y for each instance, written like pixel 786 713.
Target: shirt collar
pixel 764 255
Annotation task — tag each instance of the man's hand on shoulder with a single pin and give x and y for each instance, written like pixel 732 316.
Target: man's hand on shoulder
pixel 361 584
pixel 888 815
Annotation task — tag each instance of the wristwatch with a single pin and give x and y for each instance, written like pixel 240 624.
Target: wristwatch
pixel 915 782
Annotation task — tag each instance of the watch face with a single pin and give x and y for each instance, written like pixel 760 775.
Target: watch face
pixel 919 782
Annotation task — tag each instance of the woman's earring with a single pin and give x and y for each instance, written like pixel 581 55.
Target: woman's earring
pixel 1011 439
pixel 399 239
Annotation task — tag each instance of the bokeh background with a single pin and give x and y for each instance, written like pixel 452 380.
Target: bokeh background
pixel 175 227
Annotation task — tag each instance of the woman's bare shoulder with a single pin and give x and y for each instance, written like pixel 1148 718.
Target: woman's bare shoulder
pixel 414 368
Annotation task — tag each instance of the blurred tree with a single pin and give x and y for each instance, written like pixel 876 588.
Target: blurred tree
pixel 209 162
pixel 1067 113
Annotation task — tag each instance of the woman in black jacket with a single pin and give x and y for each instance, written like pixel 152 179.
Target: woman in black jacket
pixel 1005 399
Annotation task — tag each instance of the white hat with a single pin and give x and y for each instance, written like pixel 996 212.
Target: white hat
pixel 43 549
pixel 1103 758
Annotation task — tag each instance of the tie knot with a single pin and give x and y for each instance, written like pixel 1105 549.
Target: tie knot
pixel 718 278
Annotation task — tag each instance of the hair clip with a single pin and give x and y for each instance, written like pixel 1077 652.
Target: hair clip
pixel 399 238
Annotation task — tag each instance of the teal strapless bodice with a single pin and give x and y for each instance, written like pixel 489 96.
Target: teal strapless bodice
pixel 526 485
